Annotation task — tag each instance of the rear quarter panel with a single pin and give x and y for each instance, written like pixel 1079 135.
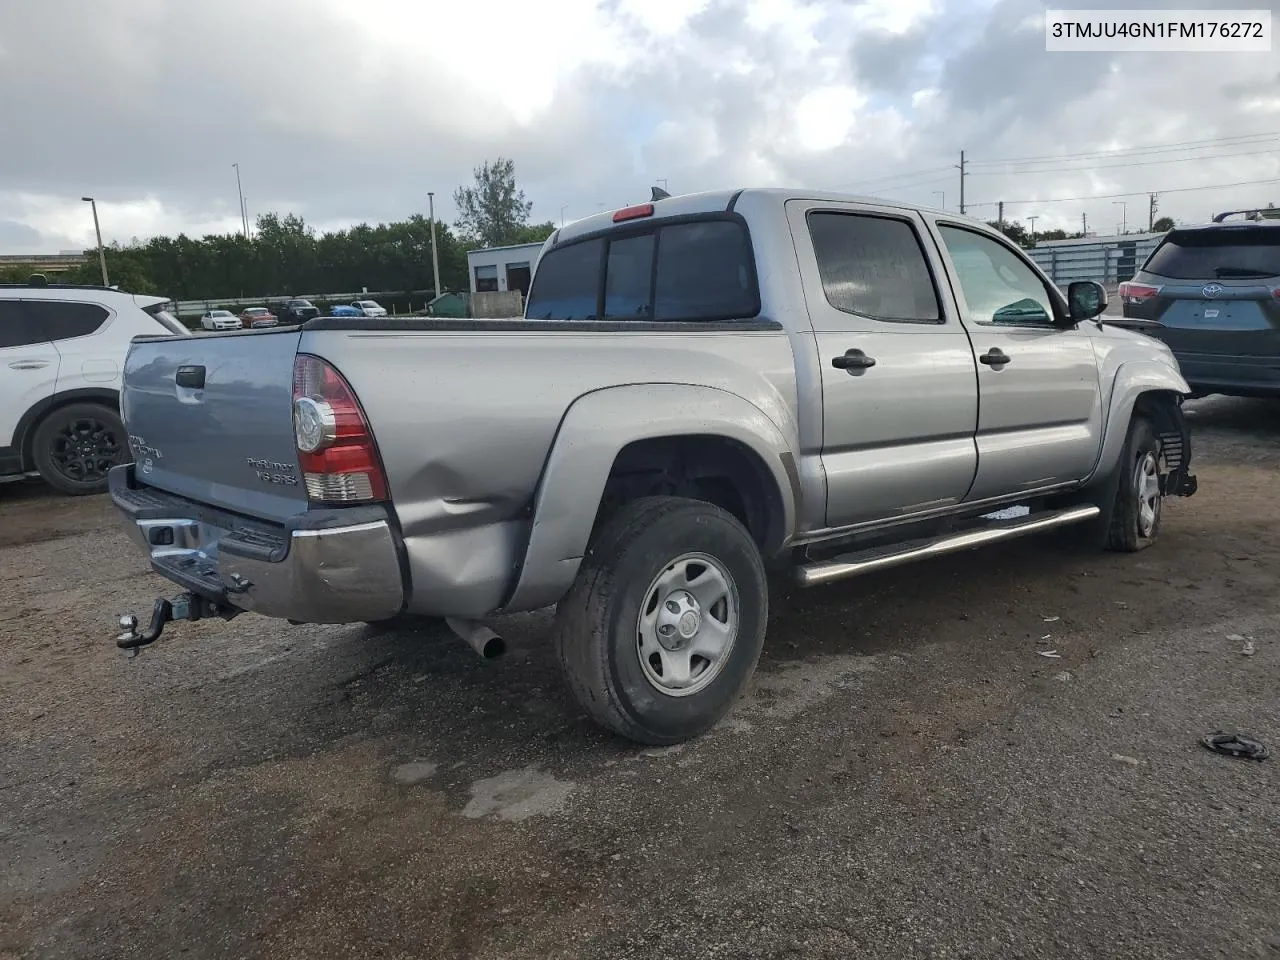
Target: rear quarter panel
pixel 465 415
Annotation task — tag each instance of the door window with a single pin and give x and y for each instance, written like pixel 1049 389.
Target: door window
pixel 999 288
pixel 17 327
pixel 873 267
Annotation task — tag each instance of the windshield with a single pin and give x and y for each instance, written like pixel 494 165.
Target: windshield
pixel 1218 254
pixel 220 313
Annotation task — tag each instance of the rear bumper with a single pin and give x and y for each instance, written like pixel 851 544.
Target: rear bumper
pixel 325 566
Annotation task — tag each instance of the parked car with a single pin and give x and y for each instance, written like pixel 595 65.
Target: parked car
pixel 1212 293
pixel 62 352
pixel 342 310
pixel 258 317
pixel 297 310
pixel 370 308
pixel 703 387
pixel 220 320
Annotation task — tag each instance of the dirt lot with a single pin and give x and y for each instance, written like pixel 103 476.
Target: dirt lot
pixel 908 777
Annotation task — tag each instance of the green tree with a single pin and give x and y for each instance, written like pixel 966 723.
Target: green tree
pixel 493 210
pixel 533 233
pixel 1162 225
pixel 1013 230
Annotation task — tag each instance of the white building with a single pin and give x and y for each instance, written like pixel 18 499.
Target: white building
pixel 502 268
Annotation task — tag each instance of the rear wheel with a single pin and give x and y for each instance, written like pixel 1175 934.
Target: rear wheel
pixel 1139 504
pixel 75 446
pixel 663 627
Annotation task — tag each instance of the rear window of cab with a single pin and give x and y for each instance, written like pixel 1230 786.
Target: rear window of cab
pixel 682 271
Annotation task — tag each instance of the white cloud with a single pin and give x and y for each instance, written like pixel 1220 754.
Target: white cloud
pixel 346 111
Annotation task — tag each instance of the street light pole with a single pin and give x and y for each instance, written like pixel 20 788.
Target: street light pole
pixel 102 254
pixel 1033 228
pixel 435 257
pixel 1124 215
pixel 244 220
pixel 942 195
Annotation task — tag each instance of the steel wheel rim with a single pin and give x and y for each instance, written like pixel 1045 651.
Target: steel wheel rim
pixel 688 624
pixel 85 450
pixel 1146 484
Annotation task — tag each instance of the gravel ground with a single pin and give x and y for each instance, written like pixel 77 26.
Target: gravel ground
pixel 908 777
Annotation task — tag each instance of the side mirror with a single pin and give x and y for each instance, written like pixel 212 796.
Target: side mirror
pixel 1086 299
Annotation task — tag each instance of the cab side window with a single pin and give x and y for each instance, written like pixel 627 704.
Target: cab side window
pixel 874 267
pixel 998 287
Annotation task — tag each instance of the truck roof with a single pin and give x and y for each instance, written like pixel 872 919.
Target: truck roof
pixel 715 201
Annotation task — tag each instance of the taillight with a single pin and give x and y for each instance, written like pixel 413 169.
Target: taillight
pixel 633 213
pixel 1137 292
pixel 339 459
pixel 1276 293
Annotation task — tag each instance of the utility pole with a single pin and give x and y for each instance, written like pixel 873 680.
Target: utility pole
pixel 1084 224
pixel 244 220
pixel 942 198
pixel 1152 206
pixel 1000 216
pixel 1033 228
pixel 562 210
pixel 962 183
pixel 1124 215
pixel 435 256
pixel 102 256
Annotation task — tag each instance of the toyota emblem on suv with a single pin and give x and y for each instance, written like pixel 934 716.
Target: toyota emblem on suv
pixel 1212 290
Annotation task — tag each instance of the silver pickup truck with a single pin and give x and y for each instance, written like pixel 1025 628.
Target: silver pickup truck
pixel 703 388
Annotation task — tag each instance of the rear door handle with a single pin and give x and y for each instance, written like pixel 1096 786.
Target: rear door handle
pixel 28 364
pixel 995 357
pixel 854 361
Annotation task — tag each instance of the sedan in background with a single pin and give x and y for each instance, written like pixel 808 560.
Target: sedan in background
pixel 220 320
pixel 341 310
pixel 258 317
pixel 370 308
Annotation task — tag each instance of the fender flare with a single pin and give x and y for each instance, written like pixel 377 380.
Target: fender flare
pixel 1133 379
pixel 592 432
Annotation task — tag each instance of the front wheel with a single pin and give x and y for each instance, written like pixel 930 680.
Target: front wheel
pixel 75 446
pixel 663 627
pixel 1139 504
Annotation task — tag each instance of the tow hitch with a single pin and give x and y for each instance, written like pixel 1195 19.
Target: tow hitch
pixel 185 606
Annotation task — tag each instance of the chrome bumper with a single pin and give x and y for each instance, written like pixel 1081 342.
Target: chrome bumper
pixel 324 573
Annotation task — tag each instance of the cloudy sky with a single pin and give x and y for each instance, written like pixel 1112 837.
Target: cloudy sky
pixel 347 111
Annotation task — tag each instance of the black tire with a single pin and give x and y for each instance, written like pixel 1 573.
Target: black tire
pixel 1131 529
pixel 74 447
pixel 598 630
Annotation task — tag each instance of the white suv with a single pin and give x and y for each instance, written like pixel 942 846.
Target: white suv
pixel 62 351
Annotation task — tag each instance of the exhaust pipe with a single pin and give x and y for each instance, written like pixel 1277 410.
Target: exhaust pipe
pixel 478 637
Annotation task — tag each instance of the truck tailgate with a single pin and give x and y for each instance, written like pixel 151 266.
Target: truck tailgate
pixel 211 418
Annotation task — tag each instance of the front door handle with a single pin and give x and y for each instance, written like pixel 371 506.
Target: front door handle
pixel 855 361
pixel 28 364
pixel 995 357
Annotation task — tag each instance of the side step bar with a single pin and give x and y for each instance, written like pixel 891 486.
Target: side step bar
pixel 856 564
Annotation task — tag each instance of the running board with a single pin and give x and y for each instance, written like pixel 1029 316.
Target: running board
pixel 881 558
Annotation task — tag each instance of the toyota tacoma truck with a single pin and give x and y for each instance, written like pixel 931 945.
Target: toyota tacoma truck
pixel 703 389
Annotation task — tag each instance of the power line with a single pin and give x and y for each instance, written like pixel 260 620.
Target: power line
pixel 1154 148
pixel 1115 196
pixel 1112 166
pixel 898 176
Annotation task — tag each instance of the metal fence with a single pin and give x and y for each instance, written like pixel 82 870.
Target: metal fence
pixel 197 308
pixel 1108 260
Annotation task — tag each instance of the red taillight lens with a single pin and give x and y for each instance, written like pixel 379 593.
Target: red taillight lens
pixel 339 459
pixel 1276 293
pixel 633 213
pixel 1137 292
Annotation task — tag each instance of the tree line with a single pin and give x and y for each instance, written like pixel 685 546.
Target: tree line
pixel 284 255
